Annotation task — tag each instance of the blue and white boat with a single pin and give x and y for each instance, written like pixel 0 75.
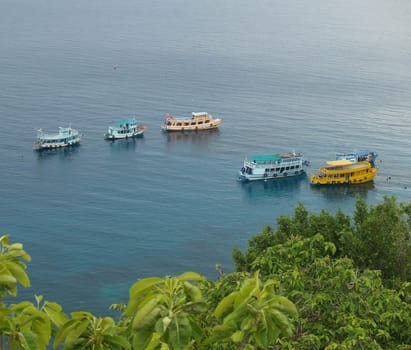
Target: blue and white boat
pixel 124 129
pixel 361 156
pixel 273 166
pixel 64 138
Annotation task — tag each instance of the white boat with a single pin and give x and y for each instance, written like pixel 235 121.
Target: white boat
pixel 197 121
pixel 124 129
pixel 64 138
pixel 272 166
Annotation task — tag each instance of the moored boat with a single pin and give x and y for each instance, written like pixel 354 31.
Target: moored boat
pixel 273 166
pixel 124 129
pixel 361 156
pixel 64 138
pixel 197 121
pixel 344 171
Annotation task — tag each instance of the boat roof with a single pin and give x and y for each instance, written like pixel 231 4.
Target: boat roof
pixel 362 153
pixel 63 132
pixel 125 121
pixel 199 114
pixel 265 158
pixel 339 162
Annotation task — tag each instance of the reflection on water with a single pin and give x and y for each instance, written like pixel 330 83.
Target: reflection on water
pixel 195 137
pixel 276 187
pixel 62 153
pixel 338 191
pixel 124 144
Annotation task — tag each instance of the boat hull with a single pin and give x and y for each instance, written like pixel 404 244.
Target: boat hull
pixel 275 176
pixel 39 147
pixel 138 133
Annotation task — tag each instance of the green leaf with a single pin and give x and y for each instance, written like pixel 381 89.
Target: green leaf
pixel 7 279
pixel 193 292
pixel 190 276
pixel 117 341
pixel 147 315
pixel 73 328
pixel 179 332
pixel 19 273
pixel 143 285
pixel 237 337
pixel 225 305
pixel 145 339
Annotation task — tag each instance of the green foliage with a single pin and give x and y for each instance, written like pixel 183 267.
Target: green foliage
pixel 377 238
pixel 165 312
pixel 253 316
pixel 340 307
pixel 12 267
pixel 24 326
pixel 85 331
pixel 384 240
pixel 255 245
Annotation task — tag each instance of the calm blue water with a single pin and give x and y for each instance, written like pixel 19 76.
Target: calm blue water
pixel 315 77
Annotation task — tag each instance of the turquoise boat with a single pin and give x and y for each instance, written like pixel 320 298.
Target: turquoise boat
pixel 124 129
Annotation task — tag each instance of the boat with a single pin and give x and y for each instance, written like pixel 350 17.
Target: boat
pixel 273 166
pixel 64 138
pixel 123 129
pixel 197 121
pixel 344 171
pixel 363 155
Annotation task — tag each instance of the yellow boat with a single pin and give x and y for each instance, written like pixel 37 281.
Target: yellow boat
pixel 340 172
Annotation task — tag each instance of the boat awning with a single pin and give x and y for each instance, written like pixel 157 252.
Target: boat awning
pixel 265 158
pixel 341 162
pixel 125 121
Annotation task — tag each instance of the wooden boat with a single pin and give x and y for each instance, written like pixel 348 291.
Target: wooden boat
pixel 343 171
pixel 273 166
pixel 124 129
pixel 64 138
pixel 197 121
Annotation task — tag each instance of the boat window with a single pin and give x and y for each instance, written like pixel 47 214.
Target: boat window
pixel 179 124
pixel 297 166
pixel 292 167
pixel 193 123
pixel 287 168
pixel 207 121
pixel 281 170
pixel 278 169
pixel 201 122
pixel 185 123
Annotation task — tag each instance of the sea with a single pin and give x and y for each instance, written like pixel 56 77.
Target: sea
pixel 315 77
